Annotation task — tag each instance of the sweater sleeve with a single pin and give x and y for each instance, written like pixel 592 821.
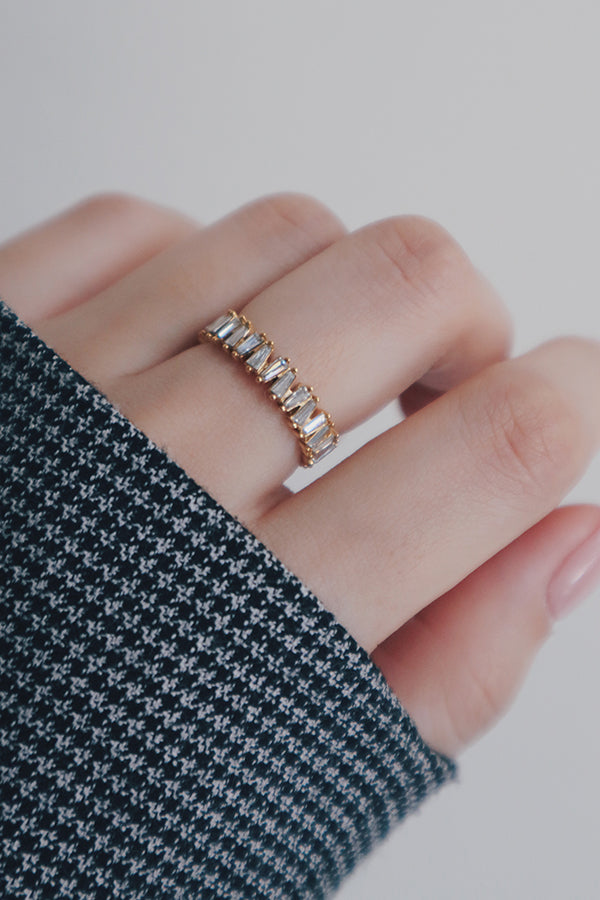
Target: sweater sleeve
pixel 180 715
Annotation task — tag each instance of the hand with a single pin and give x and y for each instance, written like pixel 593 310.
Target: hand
pixel 437 544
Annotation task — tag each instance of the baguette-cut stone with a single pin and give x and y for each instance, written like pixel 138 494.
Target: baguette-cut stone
pixel 218 323
pixel 227 327
pixel 282 384
pixel 327 438
pixel 251 342
pixel 259 357
pixel 275 369
pixel 304 412
pixel 297 397
pixel 315 423
pixel 236 335
pixel 318 436
pixel 324 449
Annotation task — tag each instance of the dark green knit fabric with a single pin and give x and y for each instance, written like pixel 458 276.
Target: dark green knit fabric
pixel 180 716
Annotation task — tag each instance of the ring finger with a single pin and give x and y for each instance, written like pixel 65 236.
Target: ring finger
pixel 391 304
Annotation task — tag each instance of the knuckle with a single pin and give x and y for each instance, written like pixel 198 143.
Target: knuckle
pixel 525 434
pixel 137 216
pixel 418 248
pixel 419 253
pixel 113 204
pixel 302 215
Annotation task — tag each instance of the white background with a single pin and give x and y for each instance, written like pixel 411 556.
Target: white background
pixel 483 116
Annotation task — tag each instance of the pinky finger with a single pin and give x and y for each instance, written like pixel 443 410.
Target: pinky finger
pixel 457 664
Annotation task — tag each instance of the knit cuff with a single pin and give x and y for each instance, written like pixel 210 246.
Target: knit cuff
pixel 181 717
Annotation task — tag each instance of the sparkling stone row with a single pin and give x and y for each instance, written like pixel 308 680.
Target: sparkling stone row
pixel 314 427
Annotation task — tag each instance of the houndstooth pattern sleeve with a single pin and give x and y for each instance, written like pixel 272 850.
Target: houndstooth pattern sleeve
pixel 180 716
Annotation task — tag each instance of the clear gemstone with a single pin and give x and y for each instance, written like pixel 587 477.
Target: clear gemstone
pixel 324 450
pixel 304 412
pixel 236 335
pixel 259 357
pixel 297 397
pixel 214 326
pixel 318 436
pixel 282 384
pixel 315 423
pixel 276 368
pixel 324 442
pixel 252 341
pixel 225 329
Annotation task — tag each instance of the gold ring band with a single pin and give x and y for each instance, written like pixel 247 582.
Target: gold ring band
pixel 314 427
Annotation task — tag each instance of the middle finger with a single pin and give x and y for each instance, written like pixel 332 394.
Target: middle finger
pixel 418 508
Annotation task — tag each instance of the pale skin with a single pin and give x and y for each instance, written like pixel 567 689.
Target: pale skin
pixel 434 544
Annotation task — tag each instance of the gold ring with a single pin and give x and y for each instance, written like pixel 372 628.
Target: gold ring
pixel 314 427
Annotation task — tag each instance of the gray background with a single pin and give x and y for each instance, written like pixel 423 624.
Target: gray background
pixel 483 116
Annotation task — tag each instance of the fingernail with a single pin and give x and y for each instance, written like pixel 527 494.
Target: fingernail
pixel 576 578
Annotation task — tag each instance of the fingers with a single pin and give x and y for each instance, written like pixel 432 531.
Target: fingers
pixel 392 303
pixel 379 309
pixel 156 311
pixel 413 512
pixel 458 663
pixel 62 262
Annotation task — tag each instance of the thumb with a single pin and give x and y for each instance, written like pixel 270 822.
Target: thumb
pixel 458 663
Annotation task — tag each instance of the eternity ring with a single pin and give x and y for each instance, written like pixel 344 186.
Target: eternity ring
pixel 313 426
